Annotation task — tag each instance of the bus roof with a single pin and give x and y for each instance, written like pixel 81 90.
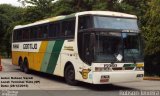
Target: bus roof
pixel 105 13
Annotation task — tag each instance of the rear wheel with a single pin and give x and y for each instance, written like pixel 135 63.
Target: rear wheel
pixel 70 75
pixel 25 64
pixel 21 65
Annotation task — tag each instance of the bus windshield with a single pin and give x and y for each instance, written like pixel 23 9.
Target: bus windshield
pixel 117 47
pixel 109 39
pixel 115 23
pixel 106 22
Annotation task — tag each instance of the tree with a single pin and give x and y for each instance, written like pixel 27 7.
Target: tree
pixel 9 16
pixel 152 28
pixel 37 9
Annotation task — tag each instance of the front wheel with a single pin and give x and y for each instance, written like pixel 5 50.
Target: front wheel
pixel 70 75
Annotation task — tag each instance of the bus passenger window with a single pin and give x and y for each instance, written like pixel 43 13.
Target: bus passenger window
pixel 51 30
pixel 25 34
pixel 45 31
pixel 64 28
pixel 71 29
pixel 54 29
pixel 40 32
pixel 15 35
pixel 33 33
pixel 84 22
pixel 19 35
pixel 68 28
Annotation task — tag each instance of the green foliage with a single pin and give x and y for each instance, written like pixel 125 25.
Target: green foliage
pixel 9 17
pixel 62 7
pixel 151 28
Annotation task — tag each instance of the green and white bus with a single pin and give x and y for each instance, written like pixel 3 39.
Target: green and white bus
pixel 98 47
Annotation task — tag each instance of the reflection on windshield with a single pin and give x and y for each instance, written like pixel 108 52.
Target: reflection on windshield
pixel 115 46
pixel 107 46
pixel 132 48
pixel 115 23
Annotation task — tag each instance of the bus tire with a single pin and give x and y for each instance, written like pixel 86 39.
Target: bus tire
pixel 69 75
pixel 20 62
pixel 25 64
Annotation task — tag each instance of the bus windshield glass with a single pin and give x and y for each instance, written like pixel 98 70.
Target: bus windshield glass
pixel 115 23
pixel 107 39
pixel 117 47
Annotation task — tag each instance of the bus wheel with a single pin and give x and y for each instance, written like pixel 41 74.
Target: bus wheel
pixel 21 65
pixel 25 64
pixel 69 75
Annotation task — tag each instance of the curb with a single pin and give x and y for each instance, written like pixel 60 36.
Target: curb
pixel 152 78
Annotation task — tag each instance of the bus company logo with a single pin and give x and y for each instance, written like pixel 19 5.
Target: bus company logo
pixel 70 48
pixel 30 46
pixel 84 73
pixel 110 65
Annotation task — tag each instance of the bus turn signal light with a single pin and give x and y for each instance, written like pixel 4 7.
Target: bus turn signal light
pixel 140 65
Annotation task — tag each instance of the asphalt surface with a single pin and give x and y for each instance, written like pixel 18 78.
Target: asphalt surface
pixel 41 84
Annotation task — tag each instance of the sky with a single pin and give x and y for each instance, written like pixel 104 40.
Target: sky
pixel 12 2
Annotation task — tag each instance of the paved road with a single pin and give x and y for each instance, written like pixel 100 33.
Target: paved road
pixel 45 82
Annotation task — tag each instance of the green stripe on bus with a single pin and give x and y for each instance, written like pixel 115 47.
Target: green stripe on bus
pixel 47 56
pixel 129 65
pixel 54 56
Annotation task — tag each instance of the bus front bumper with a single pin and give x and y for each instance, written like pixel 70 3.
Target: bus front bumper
pixel 114 77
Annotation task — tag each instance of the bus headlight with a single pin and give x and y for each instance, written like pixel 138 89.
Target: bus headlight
pixel 100 69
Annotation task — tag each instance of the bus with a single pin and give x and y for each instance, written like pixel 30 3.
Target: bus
pixel 97 47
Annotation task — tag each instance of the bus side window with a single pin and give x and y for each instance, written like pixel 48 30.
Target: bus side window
pixel 54 30
pixel 68 28
pixel 19 35
pixel 15 35
pixel 71 27
pixel 33 33
pixel 51 30
pixel 57 29
pixel 84 22
pixel 45 31
pixel 25 33
pixel 64 28
pixel 40 32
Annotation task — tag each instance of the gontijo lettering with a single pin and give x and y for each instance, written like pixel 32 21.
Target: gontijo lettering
pixel 30 46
